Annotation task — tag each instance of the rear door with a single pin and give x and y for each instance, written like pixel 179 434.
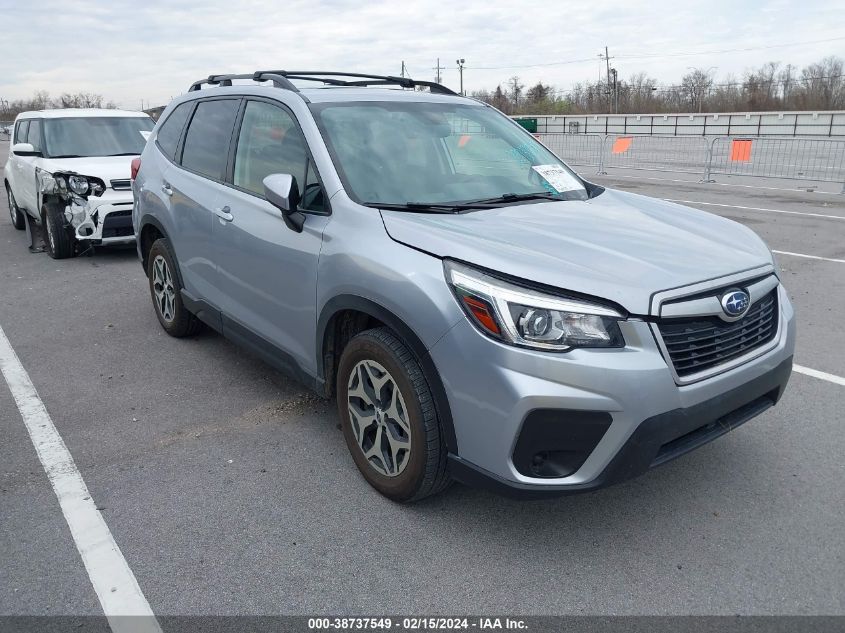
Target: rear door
pixel 193 186
pixel 268 273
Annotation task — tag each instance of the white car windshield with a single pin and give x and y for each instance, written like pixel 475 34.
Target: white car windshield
pixel 95 136
pixel 422 153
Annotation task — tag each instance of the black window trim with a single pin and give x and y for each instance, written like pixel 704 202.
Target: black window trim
pixel 180 146
pixel 310 163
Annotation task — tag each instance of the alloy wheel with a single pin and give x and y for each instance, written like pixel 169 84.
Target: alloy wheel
pixel 379 418
pixel 165 294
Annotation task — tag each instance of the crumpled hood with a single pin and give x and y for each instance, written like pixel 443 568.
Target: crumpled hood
pixel 618 246
pixel 106 168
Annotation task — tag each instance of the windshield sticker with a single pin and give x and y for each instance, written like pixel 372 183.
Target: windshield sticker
pixel 558 177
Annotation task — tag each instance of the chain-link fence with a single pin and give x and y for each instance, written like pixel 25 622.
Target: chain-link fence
pixel 817 160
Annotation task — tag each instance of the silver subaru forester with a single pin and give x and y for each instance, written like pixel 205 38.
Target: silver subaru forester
pixel 479 311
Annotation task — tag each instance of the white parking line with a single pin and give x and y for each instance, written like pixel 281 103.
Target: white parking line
pixel 827 259
pixel 822 375
pixel 736 206
pixel 113 581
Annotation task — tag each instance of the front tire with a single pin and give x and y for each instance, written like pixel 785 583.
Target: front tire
pixel 60 243
pixel 389 419
pixel 18 221
pixel 166 292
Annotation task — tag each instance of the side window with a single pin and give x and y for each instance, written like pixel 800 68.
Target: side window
pixel 21 132
pixel 170 131
pixel 269 142
pixel 206 148
pixel 34 135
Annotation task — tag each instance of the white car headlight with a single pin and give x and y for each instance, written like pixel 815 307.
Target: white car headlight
pixel 528 318
pixel 78 184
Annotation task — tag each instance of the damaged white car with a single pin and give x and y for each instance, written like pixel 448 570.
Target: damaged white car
pixel 68 176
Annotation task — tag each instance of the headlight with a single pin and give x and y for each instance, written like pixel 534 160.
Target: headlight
pixel 78 184
pixel 528 318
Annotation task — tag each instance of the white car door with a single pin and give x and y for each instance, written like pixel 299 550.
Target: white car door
pixel 26 187
pixel 15 162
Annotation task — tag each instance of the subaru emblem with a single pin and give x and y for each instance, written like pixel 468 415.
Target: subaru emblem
pixel 735 303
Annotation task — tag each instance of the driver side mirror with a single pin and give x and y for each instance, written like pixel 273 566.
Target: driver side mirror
pixel 24 149
pixel 282 192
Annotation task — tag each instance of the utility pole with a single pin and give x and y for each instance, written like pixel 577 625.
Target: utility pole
pixel 460 62
pixel 438 68
pixel 607 59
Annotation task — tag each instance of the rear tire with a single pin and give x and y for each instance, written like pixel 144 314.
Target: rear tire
pixel 60 243
pixel 166 292
pixel 389 419
pixel 18 221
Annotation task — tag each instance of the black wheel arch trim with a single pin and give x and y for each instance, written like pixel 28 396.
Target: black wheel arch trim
pixel 150 220
pixel 354 302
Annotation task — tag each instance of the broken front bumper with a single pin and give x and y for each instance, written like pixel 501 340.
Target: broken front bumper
pixel 105 219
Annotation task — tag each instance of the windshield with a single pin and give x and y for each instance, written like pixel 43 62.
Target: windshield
pixel 438 154
pixel 95 136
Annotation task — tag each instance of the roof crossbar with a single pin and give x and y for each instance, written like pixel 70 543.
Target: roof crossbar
pixel 282 79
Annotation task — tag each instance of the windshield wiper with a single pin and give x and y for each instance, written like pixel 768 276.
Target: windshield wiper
pixel 433 207
pixel 68 156
pixel 123 154
pixel 519 197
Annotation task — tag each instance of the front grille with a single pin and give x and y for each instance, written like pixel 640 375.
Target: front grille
pixel 121 185
pixel 698 344
pixel 118 224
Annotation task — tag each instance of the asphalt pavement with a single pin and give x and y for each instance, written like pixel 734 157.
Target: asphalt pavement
pixel 229 489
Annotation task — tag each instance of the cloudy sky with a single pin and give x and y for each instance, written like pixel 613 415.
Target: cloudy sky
pixel 152 50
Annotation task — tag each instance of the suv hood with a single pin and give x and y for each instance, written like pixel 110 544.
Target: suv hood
pixel 106 168
pixel 617 246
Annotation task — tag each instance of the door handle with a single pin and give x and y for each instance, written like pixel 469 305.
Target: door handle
pixel 166 189
pixel 224 213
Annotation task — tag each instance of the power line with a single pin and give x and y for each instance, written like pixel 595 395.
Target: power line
pixel 659 55
pixel 764 82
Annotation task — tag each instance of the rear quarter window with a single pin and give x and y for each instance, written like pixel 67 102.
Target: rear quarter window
pixel 171 130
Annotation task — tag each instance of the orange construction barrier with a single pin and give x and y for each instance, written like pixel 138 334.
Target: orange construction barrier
pixel 741 150
pixel 621 145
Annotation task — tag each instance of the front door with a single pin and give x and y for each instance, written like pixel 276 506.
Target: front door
pixel 267 272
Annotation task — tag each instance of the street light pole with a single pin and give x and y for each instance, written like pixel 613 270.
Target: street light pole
pixel 460 62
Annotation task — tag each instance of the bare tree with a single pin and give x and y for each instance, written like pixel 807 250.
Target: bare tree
pixel 819 86
pixel 516 90
pixel 41 101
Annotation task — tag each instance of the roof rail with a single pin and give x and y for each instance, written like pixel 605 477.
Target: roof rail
pixel 282 79
pixel 226 80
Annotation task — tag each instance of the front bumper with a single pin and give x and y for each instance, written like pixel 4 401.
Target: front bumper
pixel 640 416
pixel 106 219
